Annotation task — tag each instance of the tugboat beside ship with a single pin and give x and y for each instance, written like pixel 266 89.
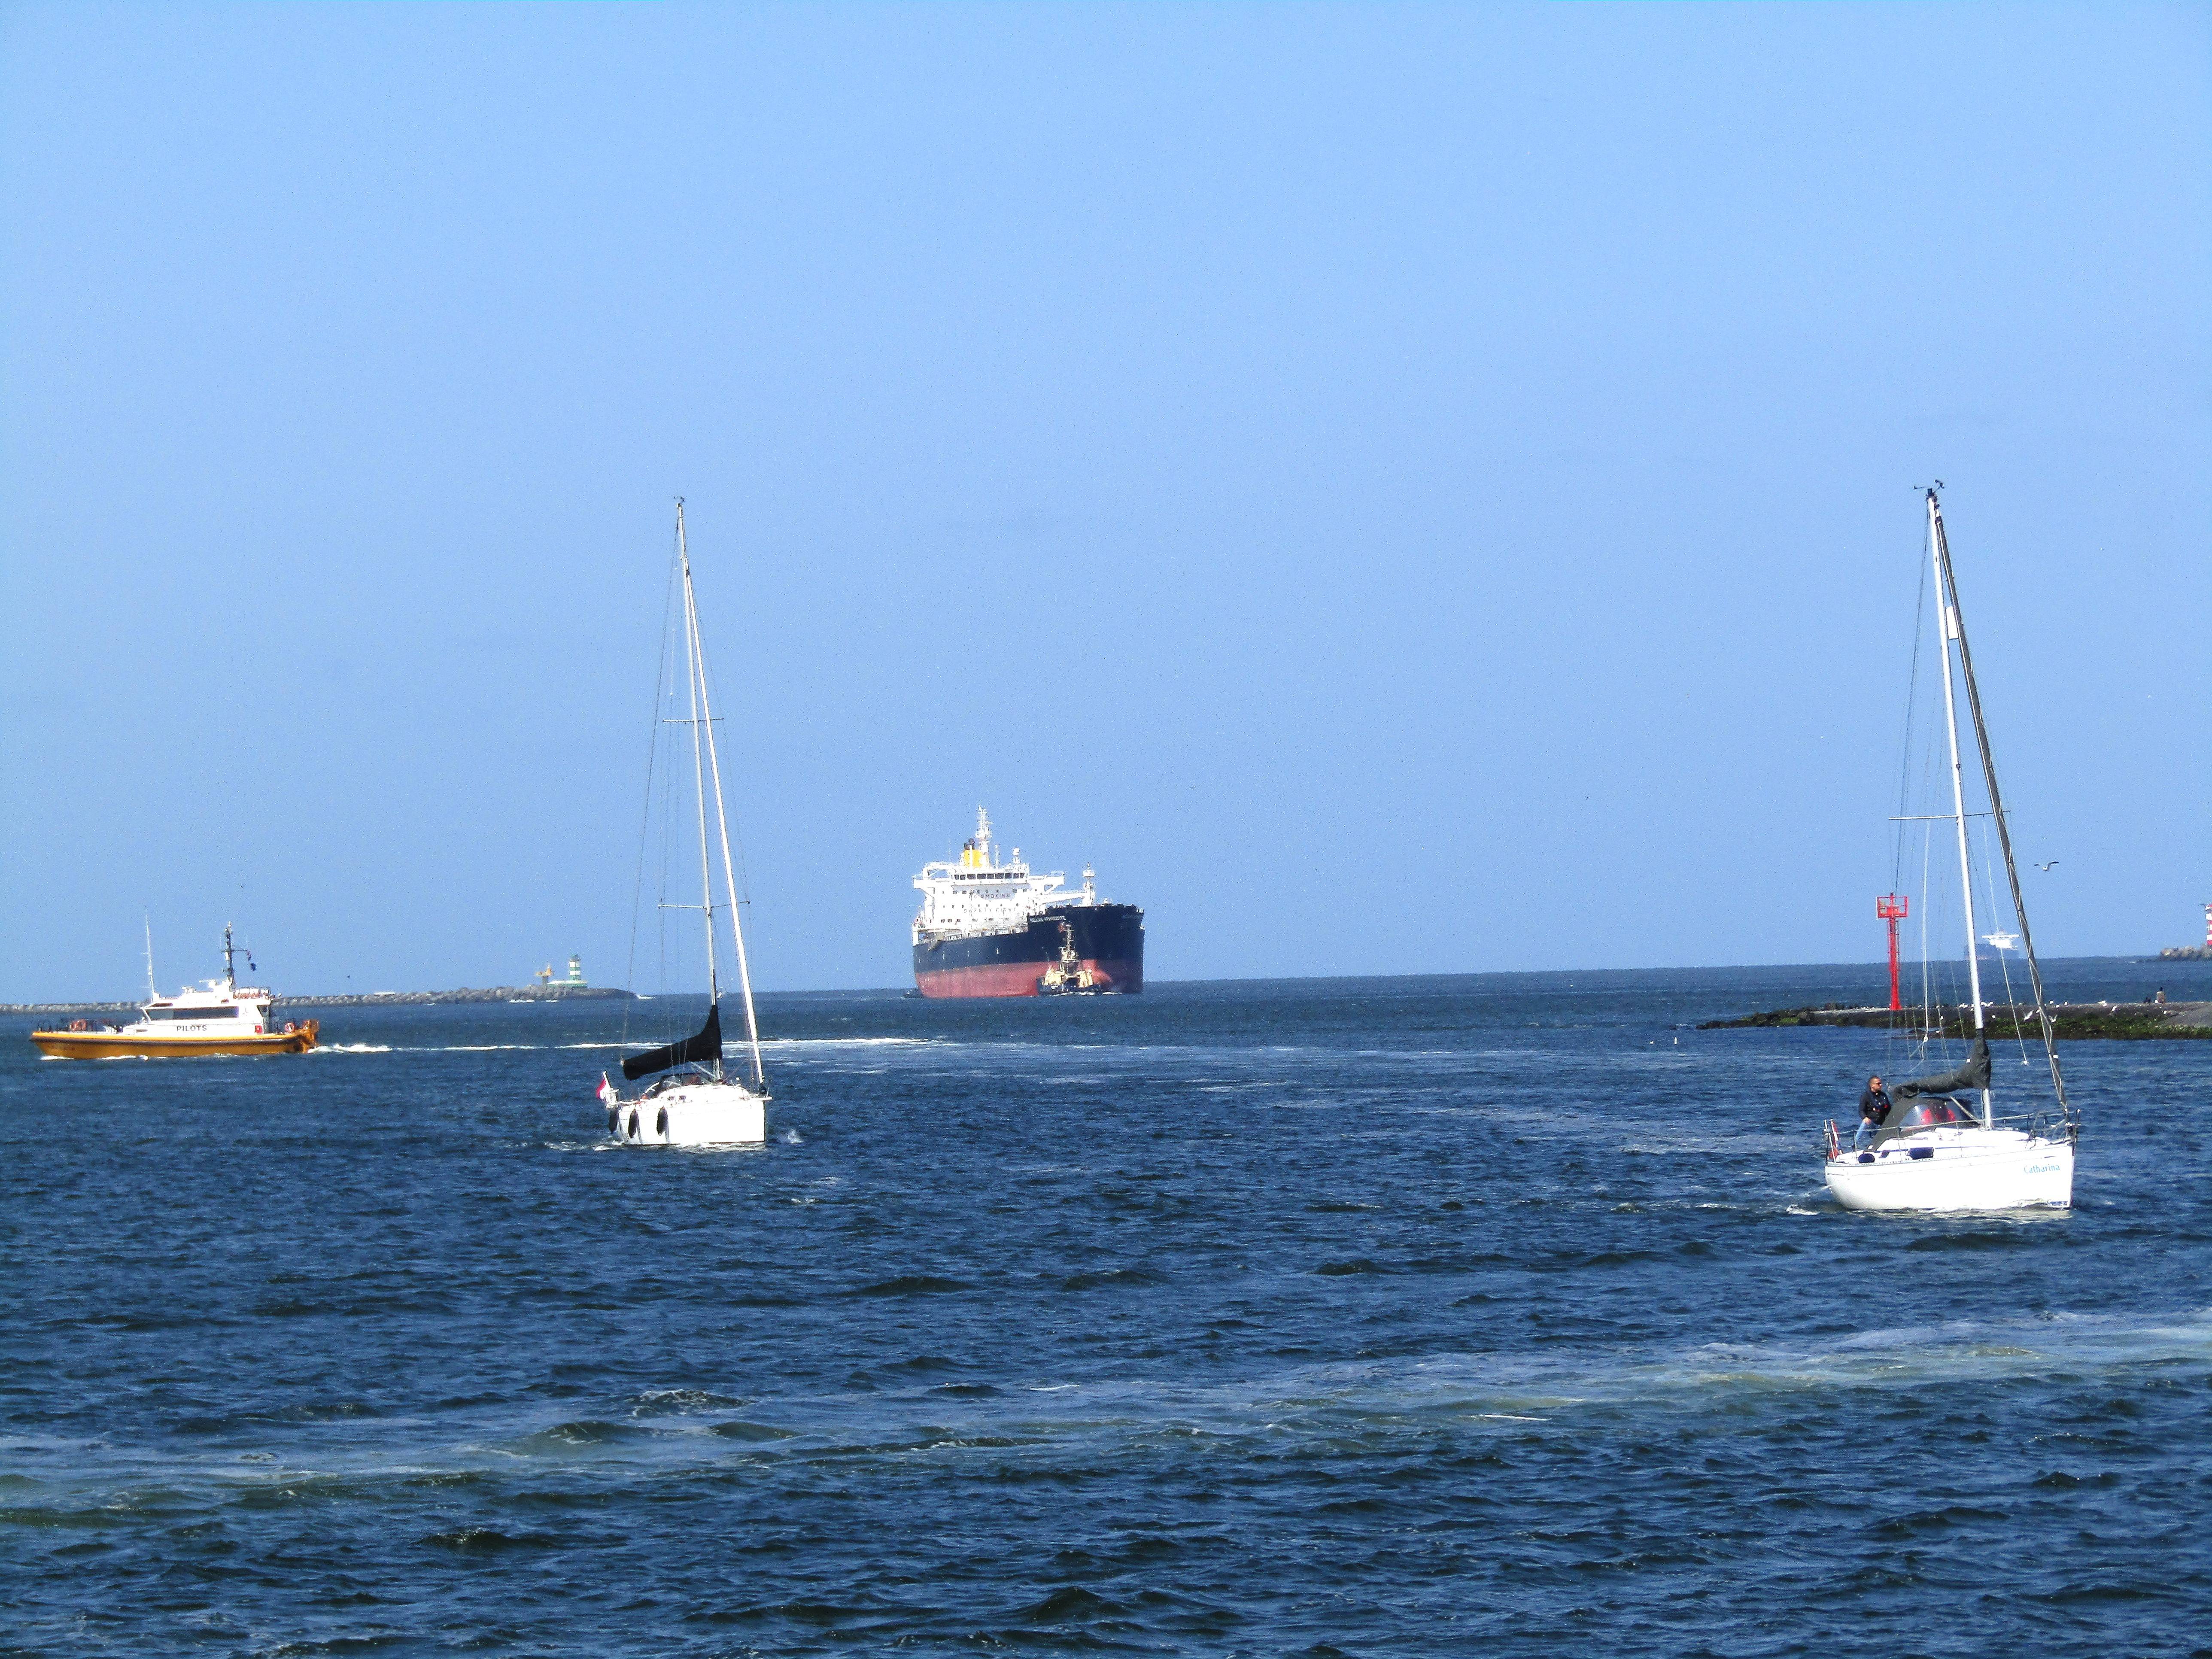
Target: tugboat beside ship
pixel 988 929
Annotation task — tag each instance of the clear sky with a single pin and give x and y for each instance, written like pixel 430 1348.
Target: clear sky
pixel 1398 489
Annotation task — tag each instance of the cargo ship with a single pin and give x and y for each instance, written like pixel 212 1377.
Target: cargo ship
pixel 988 929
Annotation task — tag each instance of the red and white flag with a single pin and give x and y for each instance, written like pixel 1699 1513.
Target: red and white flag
pixel 607 1093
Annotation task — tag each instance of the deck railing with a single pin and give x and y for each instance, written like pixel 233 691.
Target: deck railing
pixel 2044 1123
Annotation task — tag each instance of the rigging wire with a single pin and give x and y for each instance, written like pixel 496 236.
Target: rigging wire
pixel 1898 836
pixel 670 767
pixel 736 823
pixel 1927 986
pixel 707 690
pixel 2004 968
pixel 645 811
pixel 1997 813
pixel 1911 696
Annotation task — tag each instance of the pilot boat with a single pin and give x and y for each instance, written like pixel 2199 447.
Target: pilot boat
pixel 696 1100
pixel 1942 1144
pixel 225 1017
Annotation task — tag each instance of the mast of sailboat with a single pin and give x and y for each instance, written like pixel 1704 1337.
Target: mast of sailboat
pixel 698 769
pixel 1949 586
pixel 703 712
pixel 1948 629
pixel 152 995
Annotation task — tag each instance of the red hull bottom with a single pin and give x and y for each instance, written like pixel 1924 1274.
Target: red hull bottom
pixel 1017 978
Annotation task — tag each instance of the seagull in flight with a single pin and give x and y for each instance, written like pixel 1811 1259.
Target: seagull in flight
pixel 2047 868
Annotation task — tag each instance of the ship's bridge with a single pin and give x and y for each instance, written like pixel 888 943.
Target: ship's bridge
pixel 977 894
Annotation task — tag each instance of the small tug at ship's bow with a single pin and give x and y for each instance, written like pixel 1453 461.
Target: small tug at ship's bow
pixel 988 929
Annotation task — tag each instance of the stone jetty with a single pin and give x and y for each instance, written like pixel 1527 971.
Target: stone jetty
pixel 553 993
pixel 2071 1021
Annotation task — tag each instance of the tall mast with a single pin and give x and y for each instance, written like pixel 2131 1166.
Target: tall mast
pixel 229 973
pixel 698 769
pixel 722 823
pixel 1950 585
pixel 152 995
pixel 1947 628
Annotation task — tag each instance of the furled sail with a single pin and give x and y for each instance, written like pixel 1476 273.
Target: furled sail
pixel 708 1045
pixel 1974 1074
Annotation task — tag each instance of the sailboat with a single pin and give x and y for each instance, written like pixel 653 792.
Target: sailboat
pixel 1942 1144
pixel 697 1099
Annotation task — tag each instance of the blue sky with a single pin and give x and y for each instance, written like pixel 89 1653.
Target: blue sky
pixel 1396 488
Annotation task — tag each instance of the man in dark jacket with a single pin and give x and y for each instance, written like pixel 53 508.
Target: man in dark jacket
pixel 1873 1106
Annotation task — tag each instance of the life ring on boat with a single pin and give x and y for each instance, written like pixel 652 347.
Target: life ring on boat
pixel 77 1025
pixel 289 1028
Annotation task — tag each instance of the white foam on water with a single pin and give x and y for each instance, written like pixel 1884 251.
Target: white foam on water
pixel 1353 1405
pixel 477 1049
pixel 1360 1400
pixel 781 1044
pixel 1960 1353
pixel 351 1048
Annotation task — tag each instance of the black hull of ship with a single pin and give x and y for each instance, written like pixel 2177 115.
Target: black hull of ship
pixel 1108 939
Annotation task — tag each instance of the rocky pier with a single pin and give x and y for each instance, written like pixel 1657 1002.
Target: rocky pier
pixel 2069 1021
pixel 364 999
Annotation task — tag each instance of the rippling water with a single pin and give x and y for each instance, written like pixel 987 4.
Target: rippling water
pixel 1487 1314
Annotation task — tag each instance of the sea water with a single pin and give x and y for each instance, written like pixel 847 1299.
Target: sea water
pixel 1502 1314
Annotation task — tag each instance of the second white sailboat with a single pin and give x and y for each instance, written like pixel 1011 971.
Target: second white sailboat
pixel 1941 1144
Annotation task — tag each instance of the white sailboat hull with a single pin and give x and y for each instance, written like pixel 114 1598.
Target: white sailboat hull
pixel 702 1114
pixel 1968 1169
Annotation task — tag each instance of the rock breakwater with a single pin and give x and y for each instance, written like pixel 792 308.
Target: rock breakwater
pixel 362 998
pixel 2069 1021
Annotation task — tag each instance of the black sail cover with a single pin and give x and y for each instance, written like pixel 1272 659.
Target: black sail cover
pixel 1974 1074
pixel 708 1045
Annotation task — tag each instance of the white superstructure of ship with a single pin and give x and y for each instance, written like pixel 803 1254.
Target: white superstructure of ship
pixel 974 894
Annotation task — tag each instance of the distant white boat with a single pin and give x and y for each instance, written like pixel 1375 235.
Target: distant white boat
pixel 698 1103
pixel 1940 1145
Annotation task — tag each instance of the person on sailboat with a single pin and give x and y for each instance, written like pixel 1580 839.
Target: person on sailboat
pixel 1873 1106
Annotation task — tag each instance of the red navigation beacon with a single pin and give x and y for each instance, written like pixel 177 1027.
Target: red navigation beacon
pixel 1891 908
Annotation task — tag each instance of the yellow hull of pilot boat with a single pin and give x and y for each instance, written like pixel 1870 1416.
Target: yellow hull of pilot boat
pixel 124 1045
